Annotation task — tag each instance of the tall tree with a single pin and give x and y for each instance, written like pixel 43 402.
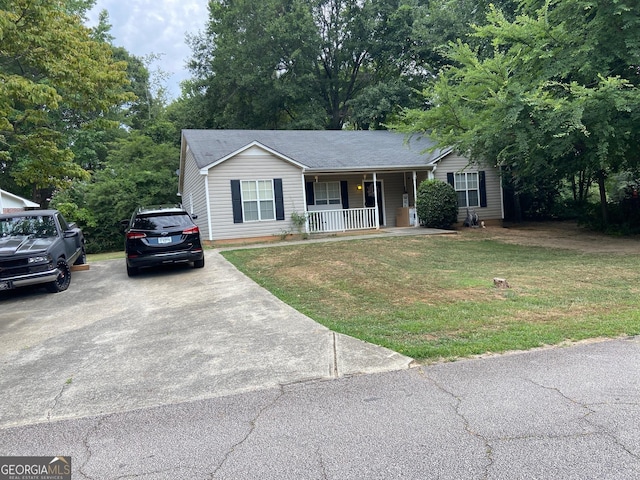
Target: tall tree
pixel 54 77
pixel 445 21
pixel 557 97
pixel 304 63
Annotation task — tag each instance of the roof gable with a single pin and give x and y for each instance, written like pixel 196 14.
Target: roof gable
pixel 247 148
pixel 10 200
pixel 316 150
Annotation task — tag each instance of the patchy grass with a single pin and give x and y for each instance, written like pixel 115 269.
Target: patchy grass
pixel 432 297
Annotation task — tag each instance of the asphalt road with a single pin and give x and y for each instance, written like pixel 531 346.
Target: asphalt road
pixel 199 374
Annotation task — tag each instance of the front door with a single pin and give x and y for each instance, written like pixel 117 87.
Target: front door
pixel 370 199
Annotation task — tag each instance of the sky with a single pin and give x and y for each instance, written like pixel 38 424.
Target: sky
pixel 159 27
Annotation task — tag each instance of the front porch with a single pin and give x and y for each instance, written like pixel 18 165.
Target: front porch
pixel 355 201
pixel 352 219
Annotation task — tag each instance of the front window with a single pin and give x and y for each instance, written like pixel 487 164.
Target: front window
pixel 466 185
pixel 327 193
pixel 258 202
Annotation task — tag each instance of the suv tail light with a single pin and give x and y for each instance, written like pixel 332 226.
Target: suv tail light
pixel 190 231
pixel 135 235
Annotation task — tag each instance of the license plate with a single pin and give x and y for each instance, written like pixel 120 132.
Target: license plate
pixel 5 285
pixel 164 239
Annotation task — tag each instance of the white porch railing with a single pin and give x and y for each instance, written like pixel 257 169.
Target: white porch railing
pixel 325 221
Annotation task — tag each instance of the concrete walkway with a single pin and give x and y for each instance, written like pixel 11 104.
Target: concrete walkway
pixel 346 236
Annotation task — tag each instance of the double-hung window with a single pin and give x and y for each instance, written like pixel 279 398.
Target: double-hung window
pixel 327 193
pixel 467 188
pixel 258 200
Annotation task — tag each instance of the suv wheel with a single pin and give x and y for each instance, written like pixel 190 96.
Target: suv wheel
pixel 63 281
pixel 132 271
pixel 199 263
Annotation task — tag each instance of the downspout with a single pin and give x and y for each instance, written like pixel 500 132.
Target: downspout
pixel 1 203
pixel 206 194
pixel 375 196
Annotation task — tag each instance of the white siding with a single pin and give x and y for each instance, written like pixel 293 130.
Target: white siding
pixel 252 164
pixel 453 163
pixel 193 195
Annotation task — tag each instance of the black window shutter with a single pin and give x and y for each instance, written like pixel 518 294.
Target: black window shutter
pixel 344 193
pixel 483 188
pixel 311 199
pixel 236 201
pixel 277 187
pixel 450 180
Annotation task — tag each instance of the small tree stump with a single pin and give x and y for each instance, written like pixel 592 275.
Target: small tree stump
pixel 500 283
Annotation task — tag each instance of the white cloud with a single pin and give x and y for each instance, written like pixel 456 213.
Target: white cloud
pixel 159 27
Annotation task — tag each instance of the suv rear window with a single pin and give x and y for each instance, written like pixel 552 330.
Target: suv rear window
pixel 162 221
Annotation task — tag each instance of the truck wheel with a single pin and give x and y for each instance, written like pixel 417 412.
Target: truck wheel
pixel 63 281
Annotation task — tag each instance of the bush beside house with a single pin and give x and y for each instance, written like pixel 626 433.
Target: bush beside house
pixel 436 204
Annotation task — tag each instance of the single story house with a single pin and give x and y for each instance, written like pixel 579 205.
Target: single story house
pixel 10 203
pixel 249 183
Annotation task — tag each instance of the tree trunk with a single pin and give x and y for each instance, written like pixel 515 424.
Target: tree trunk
pixel 603 197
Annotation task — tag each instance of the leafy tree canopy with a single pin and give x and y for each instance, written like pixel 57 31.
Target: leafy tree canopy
pixel 558 96
pixel 54 77
pixel 138 170
pixel 304 63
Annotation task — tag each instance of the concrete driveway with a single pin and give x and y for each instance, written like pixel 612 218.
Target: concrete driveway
pixel 112 343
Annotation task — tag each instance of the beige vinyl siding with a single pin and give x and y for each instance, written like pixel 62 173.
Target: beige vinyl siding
pixel 252 164
pixel 454 164
pixel 193 195
pixel 395 186
pixel 394 189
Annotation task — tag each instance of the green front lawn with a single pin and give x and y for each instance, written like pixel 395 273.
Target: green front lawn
pixel 432 297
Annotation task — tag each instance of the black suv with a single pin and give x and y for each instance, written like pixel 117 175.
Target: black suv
pixel 161 235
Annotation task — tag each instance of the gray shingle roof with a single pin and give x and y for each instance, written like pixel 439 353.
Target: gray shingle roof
pixel 318 150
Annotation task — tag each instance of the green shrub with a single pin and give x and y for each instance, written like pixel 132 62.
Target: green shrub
pixel 437 204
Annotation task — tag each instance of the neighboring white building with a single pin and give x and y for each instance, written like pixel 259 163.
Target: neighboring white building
pixel 248 183
pixel 10 203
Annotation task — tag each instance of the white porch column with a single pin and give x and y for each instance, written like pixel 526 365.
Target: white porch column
pixel 415 197
pixel 306 207
pixel 415 188
pixel 375 195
